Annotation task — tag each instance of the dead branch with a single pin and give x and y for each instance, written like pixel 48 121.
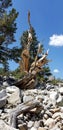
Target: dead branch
pixel 22 108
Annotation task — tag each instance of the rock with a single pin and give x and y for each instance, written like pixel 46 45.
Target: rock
pixel 61 108
pixel 37 124
pixel 45 92
pixel 33 128
pixel 7 110
pixel 61 127
pixel 57 114
pixel 48 113
pixel 55 128
pixel 10 80
pixel 49 86
pixel 4 126
pixel 30 124
pixel 3 93
pixel 45 101
pixel 14 99
pixel 61 90
pixel 59 101
pixel 27 98
pixel 41 123
pixel 58 119
pixel 20 122
pixel 41 128
pixel 0 112
pixel 48 117
pixel 40 98
pixel 45 116
pixel 41 86
pixel 5 84
pixel 3 98
pixel 5 117
pixel 42 112
pixel 49 105
pixel 11 89
pixel 54 95
pixel 50 122
pixel 23 126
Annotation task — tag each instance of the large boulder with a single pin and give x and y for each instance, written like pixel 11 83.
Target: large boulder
pixel 14 98
pixel 3 98
pixel 11 89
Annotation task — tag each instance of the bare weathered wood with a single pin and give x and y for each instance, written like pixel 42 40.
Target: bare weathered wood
pixel 37 65
pixel 27 82
pixel 21 108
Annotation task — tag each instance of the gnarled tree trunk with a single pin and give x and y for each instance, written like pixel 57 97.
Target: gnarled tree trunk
pixel 22 108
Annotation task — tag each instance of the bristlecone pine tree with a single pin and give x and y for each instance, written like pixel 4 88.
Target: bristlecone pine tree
pixel 7 31
pixel 43 75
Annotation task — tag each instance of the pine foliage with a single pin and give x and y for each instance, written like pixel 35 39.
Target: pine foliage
pixel 7 31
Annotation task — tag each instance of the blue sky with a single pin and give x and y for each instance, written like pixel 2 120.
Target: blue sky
pixel 47 20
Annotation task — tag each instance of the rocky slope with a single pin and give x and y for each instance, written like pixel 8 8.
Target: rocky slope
pixel 47 117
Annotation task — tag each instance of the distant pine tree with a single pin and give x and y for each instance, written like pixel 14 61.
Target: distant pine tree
pixel 7 31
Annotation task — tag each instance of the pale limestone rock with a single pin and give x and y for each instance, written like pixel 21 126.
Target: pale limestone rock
pixel 60 99
pixel 55 128
pixel 30 124
pixel 48 113
pixel 45 116
pixel 11 89
pixel 40 98
pixel 60 103
pixel 61 108
pixel 5 84
pixel 33 128
pixel 41 128
pixel 3 98
pixel 0 112
pixel 27 98
pixel 14 99
pixel 57 114
pixel 61 90
pixel 4 126
pixel 50 122
pixel 37 124
pixel 54 95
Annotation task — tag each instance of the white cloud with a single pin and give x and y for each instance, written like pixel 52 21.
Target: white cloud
pixel 56 40
pixel 56 71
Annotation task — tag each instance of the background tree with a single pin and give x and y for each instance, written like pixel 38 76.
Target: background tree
pixel 43 76
pixel 7 31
